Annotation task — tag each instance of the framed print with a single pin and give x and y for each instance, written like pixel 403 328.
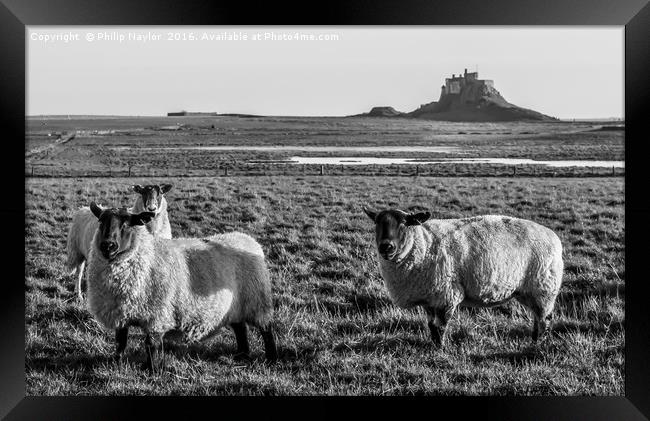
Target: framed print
pixel 426 201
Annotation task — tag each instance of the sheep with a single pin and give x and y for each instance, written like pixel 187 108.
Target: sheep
pixel 151 199
pixel 482 261
pixel 84 224
pixel 188 285
pixel 80 235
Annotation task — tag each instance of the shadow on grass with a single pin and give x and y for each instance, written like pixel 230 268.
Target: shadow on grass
pixel 367 303
pixel 524 333
pixel 604 291
pixel 216 351
pixel 58 287
pixel 382 343
pixel 66 362
pixel 70 314
pixel 356 304
pixel 529 354
pixel 400 325
pixel 240 387
pixel 563 327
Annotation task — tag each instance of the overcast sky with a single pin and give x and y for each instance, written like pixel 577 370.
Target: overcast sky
pixel 566 72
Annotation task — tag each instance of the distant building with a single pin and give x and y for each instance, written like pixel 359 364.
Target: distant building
pixel 186 113
pixel 455 84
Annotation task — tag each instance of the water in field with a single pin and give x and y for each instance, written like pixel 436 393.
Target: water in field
pixel 309 148
pixel 403 161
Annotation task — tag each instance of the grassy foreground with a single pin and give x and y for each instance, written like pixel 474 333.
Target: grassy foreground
pixel 338 331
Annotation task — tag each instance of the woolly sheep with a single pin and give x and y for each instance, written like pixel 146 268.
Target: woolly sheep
pixel 80 235
pixel 190 285
pixel 151 199
pixel 480 262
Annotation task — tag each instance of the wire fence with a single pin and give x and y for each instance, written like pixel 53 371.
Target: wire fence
pixel 275 169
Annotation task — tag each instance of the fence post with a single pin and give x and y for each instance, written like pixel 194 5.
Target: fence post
pixel 514 170
pixel 226 171
pixel 417 170
pixel 129 171
pixel 322 170
pixel 613 170
pixel 33 170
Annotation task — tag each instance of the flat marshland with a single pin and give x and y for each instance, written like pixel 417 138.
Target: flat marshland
pixel 175 146
pixel 338 332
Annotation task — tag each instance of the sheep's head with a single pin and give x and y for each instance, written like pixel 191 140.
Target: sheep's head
pixel 389 228
pixel 116 229
pixel 152 195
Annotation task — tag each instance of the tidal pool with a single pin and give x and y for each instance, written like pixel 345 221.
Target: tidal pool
pixel 350 160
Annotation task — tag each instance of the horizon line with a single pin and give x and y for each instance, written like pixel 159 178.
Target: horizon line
pixel 207 114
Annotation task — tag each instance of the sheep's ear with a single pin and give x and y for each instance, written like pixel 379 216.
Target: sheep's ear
pixel 371 214
pixel 141 218
pixel 96 210
pixel 137 188
pixel 164 188
pixel 417 218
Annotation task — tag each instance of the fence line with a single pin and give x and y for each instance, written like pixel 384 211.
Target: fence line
pixel 449 170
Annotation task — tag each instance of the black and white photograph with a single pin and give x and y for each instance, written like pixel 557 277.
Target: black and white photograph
pixel 325 210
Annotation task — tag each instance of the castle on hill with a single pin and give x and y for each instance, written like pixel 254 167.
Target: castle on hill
pixel 455 84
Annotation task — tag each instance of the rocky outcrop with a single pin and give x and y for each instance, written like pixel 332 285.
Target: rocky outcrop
pixel 476 102
pixel 382 112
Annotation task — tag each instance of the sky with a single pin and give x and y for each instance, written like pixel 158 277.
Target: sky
pixel 565 72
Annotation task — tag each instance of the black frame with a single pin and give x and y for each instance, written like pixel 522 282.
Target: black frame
pixel 634 14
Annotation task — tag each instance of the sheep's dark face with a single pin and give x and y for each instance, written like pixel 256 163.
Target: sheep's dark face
pixel 152 195
pixel 116 229
pixel 389 228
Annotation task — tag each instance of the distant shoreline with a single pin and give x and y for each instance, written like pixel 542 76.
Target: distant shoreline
pixel 241 115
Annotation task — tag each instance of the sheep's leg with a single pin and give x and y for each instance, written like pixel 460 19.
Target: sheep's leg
pixel 434 326
pixel 541 309
pixel 79 275
pixel 541 326
pixel 438 320
pixel 241 333
pixel 154 348
pixel 441 311
pixel 121 336
pixel 268 335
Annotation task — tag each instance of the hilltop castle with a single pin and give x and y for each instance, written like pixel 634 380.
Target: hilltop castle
pixel 466 98
pixel 455 84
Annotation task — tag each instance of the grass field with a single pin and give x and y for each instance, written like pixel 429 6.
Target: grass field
pixel 338 331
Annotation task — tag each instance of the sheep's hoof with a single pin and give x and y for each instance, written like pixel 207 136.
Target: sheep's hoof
pixel 439 343
pixel 242 356
pixel 436 341
pixel 146 366
pixel 153 368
